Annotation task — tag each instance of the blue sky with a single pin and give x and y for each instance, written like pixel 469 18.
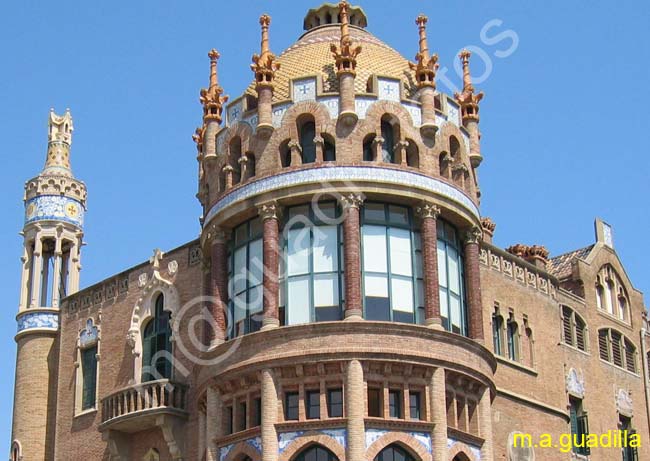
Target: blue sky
pixel 564 120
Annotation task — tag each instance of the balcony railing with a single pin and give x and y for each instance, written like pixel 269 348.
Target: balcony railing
pixel 145 399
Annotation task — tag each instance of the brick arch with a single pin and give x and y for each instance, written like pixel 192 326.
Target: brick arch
pixel 406 441
pixel 380 108
pixel 316 109
pixel 242 449
pixel 461 449
pixel 305 441
pixel 446 131
pixel 245 133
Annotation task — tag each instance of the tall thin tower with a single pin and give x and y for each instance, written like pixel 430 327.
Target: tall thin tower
pixel 55 204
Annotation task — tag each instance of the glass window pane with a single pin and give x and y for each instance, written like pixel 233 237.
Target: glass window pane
pixel 300 212
pixel 376 298
pixel 298 249
pixel 444 307
pixel 376 285
pixel 442 264
pixel 326 290
pixel 325 212
pixel 402 294
pixel 240 270
pixel 400 252
pixel 454 308
pixel 398 215
pixel 454 272
pixel 374 212
pixel 374 249
pixel 255 262
pixel 256 229
pixel 325 249
pixel 298 298
pixel 255 299
pixel 241 234
pixel 240 307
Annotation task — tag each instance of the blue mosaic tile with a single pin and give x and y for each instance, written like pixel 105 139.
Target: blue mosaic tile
pixel 34 320
pixel 54 208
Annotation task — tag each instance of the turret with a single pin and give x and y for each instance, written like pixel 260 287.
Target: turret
pixel 345 56
pixel 468 101
pixel 264 66
pixel 55 204
pixel 425 69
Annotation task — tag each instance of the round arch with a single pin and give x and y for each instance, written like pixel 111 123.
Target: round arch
pixel 303 442
pixel 241 450
pixel 460 452
pixel 405 441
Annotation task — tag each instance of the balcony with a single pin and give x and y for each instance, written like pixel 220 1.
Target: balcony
pixel 139 407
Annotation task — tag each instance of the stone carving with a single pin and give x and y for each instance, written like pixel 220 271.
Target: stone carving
pixel 575 383
pixel 142 280
pixel 519 452
pixel 172 267
pixel 624 403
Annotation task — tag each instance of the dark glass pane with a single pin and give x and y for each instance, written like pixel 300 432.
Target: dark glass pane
pixel 228 418
pixel 291 406
pixel 374 212
pixel 388 146
pixel 330 154
pixel 307 135
pixel 414 405
pixel 403 317
pixel 395 404
pixel 377 308
pixel 335 403
pixel 313 404
pixel 374 402
pixel 257 412
pixel 398 215
pixel 89 372
pixel 328 314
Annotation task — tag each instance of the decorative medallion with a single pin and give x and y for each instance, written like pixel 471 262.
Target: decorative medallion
pixel 54 208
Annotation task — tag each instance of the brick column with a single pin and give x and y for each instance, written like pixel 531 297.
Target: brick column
pixel 270 215
pixel 485 425
pixel 352 255
pixel 264 110
pixel 347 100
pixel 473 284
pixel 269 416
pixel 354 412
pixel 429 213
pixel 217 288
pixel 214 423
pixel 438 402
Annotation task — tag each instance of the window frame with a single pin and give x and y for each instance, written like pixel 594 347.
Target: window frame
pixel 395 403
pixel 331 405
pixel 309 404
pixel 288 396
pixel 151 350
pixel 626 348
pixel 88 391
pixel 456 245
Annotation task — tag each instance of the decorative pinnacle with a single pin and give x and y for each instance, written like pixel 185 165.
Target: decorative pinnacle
pixel 346 54
pixel 427 65
pixel 212 98
pixel 467 99
pixel 264 64
pixel 59 136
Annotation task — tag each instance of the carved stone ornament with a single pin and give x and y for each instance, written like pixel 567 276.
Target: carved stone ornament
pixel 142 279
pixel 428 210
pixel 172 267
pixel 575 383
pixel 269 210
pixel 624 403
pixel 473 235
pixel 351 201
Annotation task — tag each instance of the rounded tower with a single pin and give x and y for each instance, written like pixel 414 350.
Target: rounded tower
pixel 55 204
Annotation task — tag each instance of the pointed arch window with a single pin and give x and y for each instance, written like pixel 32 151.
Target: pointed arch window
pixel 611 295
pixel 617 349
pixel 497 333
pixel 513 339
pixel 394 453
pixel 156 342
pixel 574 329
pixel 316 453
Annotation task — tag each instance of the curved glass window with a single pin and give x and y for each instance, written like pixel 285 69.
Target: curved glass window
pixel 316 453
pixel 392 265
pixel 156 344
pixel 245 277
pixel 451 279
pixel 312 273
pixel 394 453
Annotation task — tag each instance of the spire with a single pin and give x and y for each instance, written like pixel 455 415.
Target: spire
pixel 467 99
pixel 58 147
pixel 346 54
pixel 265 65
pixel 212 98
pixel 426 66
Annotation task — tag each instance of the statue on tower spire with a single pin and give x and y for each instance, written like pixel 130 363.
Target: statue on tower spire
pixel 264 64
pixel 345 54
pixel 426 66
pixel 212 98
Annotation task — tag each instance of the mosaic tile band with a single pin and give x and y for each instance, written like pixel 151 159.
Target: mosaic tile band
pixel 54 208
pixel 38 320
pixel 344 173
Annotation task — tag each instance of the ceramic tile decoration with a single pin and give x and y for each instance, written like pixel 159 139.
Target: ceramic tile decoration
pixel 388 89
pixel 54 208
pixel 304 90
pixel 38 320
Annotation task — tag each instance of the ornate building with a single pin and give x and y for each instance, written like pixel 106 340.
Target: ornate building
pixel 344 301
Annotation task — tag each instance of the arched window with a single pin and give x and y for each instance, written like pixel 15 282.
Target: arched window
pixel 611 295
pixel 250 164
pixel 16 451
pixel 443 164
pixel 497 333
pixel 388 146
pixel 311 288
pixel 234 156
pixel 156 356
pixel 368 149
pixel 316 453
pixel 617 349
pixel 451 279
pixel 285 154
pixel 392 264
pixel 307 130
pixel 412 154
pixel 574 329
pixel 513 339
pixel 454 148
pixel 245 278
pixel 329 150
pixel 394 453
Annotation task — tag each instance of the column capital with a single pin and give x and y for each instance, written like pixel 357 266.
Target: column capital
pixel 473 235
pixel 269 210
pixel 213 234
pixel 352 201
pixel 378 140
pixel 427 210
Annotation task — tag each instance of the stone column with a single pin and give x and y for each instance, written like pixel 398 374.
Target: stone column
pixel 37 267
pixel 473 284
pixel 320 148
pixel 264 110
pixel 56 278
pixel 438 410
pixel 475 157
pixel 214 423
pixel 218 287
pixel 378 144
pixel 270 215
pixel 400 148
pixel 428 109
pixel 25 282
pixel 354 412
pixel 429 213
pixel 296 153
pixel 352 255
pixel 269 416
pixel 74 264
pixel 228 173
pixel 485 425
pixel 347 114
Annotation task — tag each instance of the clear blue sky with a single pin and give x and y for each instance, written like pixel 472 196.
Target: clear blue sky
pixel 564 121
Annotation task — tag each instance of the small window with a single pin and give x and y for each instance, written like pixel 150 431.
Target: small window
pixel 291 406
pixel 89 372
pixel 256 414
pixel 241 416
pixel 313 404
pixel 513 340
pixel 228 418
pixel 395 403
pixel 630 356
pixel 415 405
pixel 579 427
pixel 497 333
pixel 374 402
pixel 335 403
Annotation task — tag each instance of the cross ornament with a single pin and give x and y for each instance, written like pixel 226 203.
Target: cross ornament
pixel 156 258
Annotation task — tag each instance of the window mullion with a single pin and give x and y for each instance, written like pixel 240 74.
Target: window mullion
pixel 389 275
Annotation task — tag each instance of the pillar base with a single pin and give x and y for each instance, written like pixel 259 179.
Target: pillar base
pixel 352 315
pixel 265 130
pixel 434 324
pixel 348 118
pixel 428 130
pixel 269 324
